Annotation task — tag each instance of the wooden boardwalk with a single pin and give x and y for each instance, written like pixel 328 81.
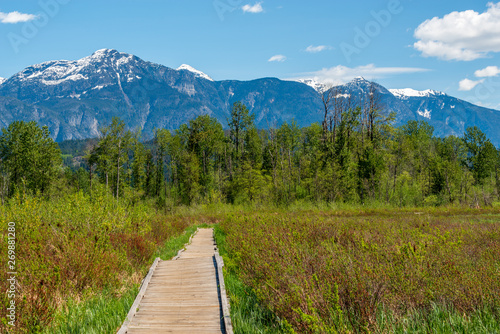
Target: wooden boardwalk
pixel 182 295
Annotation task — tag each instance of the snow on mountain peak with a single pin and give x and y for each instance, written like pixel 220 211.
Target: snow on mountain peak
pixel 104 53
pixel 56 72
pixel 409 92
pixel 316 85
pixel 2 80
pixel 197 73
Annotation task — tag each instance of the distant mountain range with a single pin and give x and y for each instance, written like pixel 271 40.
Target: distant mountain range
pixel 75 98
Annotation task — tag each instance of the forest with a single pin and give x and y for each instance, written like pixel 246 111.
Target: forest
pixel 92 214
pixel 354 156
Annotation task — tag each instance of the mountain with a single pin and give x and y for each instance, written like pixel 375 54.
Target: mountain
pixel 75 98
pixel 450 115
pixel 2 80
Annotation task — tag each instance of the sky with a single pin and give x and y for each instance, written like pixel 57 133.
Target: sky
pixel 451 46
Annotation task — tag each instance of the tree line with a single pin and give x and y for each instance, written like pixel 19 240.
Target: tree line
pixel 355 155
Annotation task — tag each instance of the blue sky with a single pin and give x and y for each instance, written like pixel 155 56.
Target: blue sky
pixel 451 46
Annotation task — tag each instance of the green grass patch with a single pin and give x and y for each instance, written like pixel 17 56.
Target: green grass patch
pixel 100 314
pixel 440 320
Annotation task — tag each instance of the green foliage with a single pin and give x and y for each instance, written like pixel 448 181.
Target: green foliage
pixel 248 315
pixel 482 155
pixel 356 156
pixel 103 313
pixel 78 245
pixel 30 159
pixel 239 123
pixel 95 227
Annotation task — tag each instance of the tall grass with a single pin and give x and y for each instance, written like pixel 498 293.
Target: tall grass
pixel 77 246
pixel 377 270
pixel 103 313
pixel 248 315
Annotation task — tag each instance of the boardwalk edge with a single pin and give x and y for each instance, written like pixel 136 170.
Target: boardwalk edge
pixel 226 313
pixel 137 301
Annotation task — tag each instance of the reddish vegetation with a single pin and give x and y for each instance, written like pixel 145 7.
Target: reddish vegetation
pixel 74 249
pixel 327 272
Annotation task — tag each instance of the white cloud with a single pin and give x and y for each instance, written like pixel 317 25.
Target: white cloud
pixel 467 84
pixel 490 71
pixel 16 17
pixel 257 8
pixel 279 58
pixel 316 49
pixel 466 35
pixel 341 74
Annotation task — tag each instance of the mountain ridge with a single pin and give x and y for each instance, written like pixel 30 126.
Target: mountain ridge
pixel 75 98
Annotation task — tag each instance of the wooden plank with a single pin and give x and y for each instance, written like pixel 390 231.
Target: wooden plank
pixel 142 291
pixel 222 288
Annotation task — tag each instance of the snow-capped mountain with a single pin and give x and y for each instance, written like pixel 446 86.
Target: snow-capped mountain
pixel 198 74
pixel 2 80
pixel 316 85
pixel 74 98
pixel 358 90
pixel 450 115
pixel 409 92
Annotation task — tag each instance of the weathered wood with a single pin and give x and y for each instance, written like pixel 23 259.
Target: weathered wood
pixel 186 294
pixel 222 288
pixel 140 295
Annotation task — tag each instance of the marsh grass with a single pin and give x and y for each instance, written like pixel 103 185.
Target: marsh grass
pixel 248 314
pixel 105 312
pixel 373 270
pixel 440 320
pixel 78 246
pixel 315 268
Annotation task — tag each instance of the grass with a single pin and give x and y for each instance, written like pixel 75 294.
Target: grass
pixel 374 270
pixel 248 315
pixel 440 320
pixel 304 269
pixel 100 314
pixel 78 246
